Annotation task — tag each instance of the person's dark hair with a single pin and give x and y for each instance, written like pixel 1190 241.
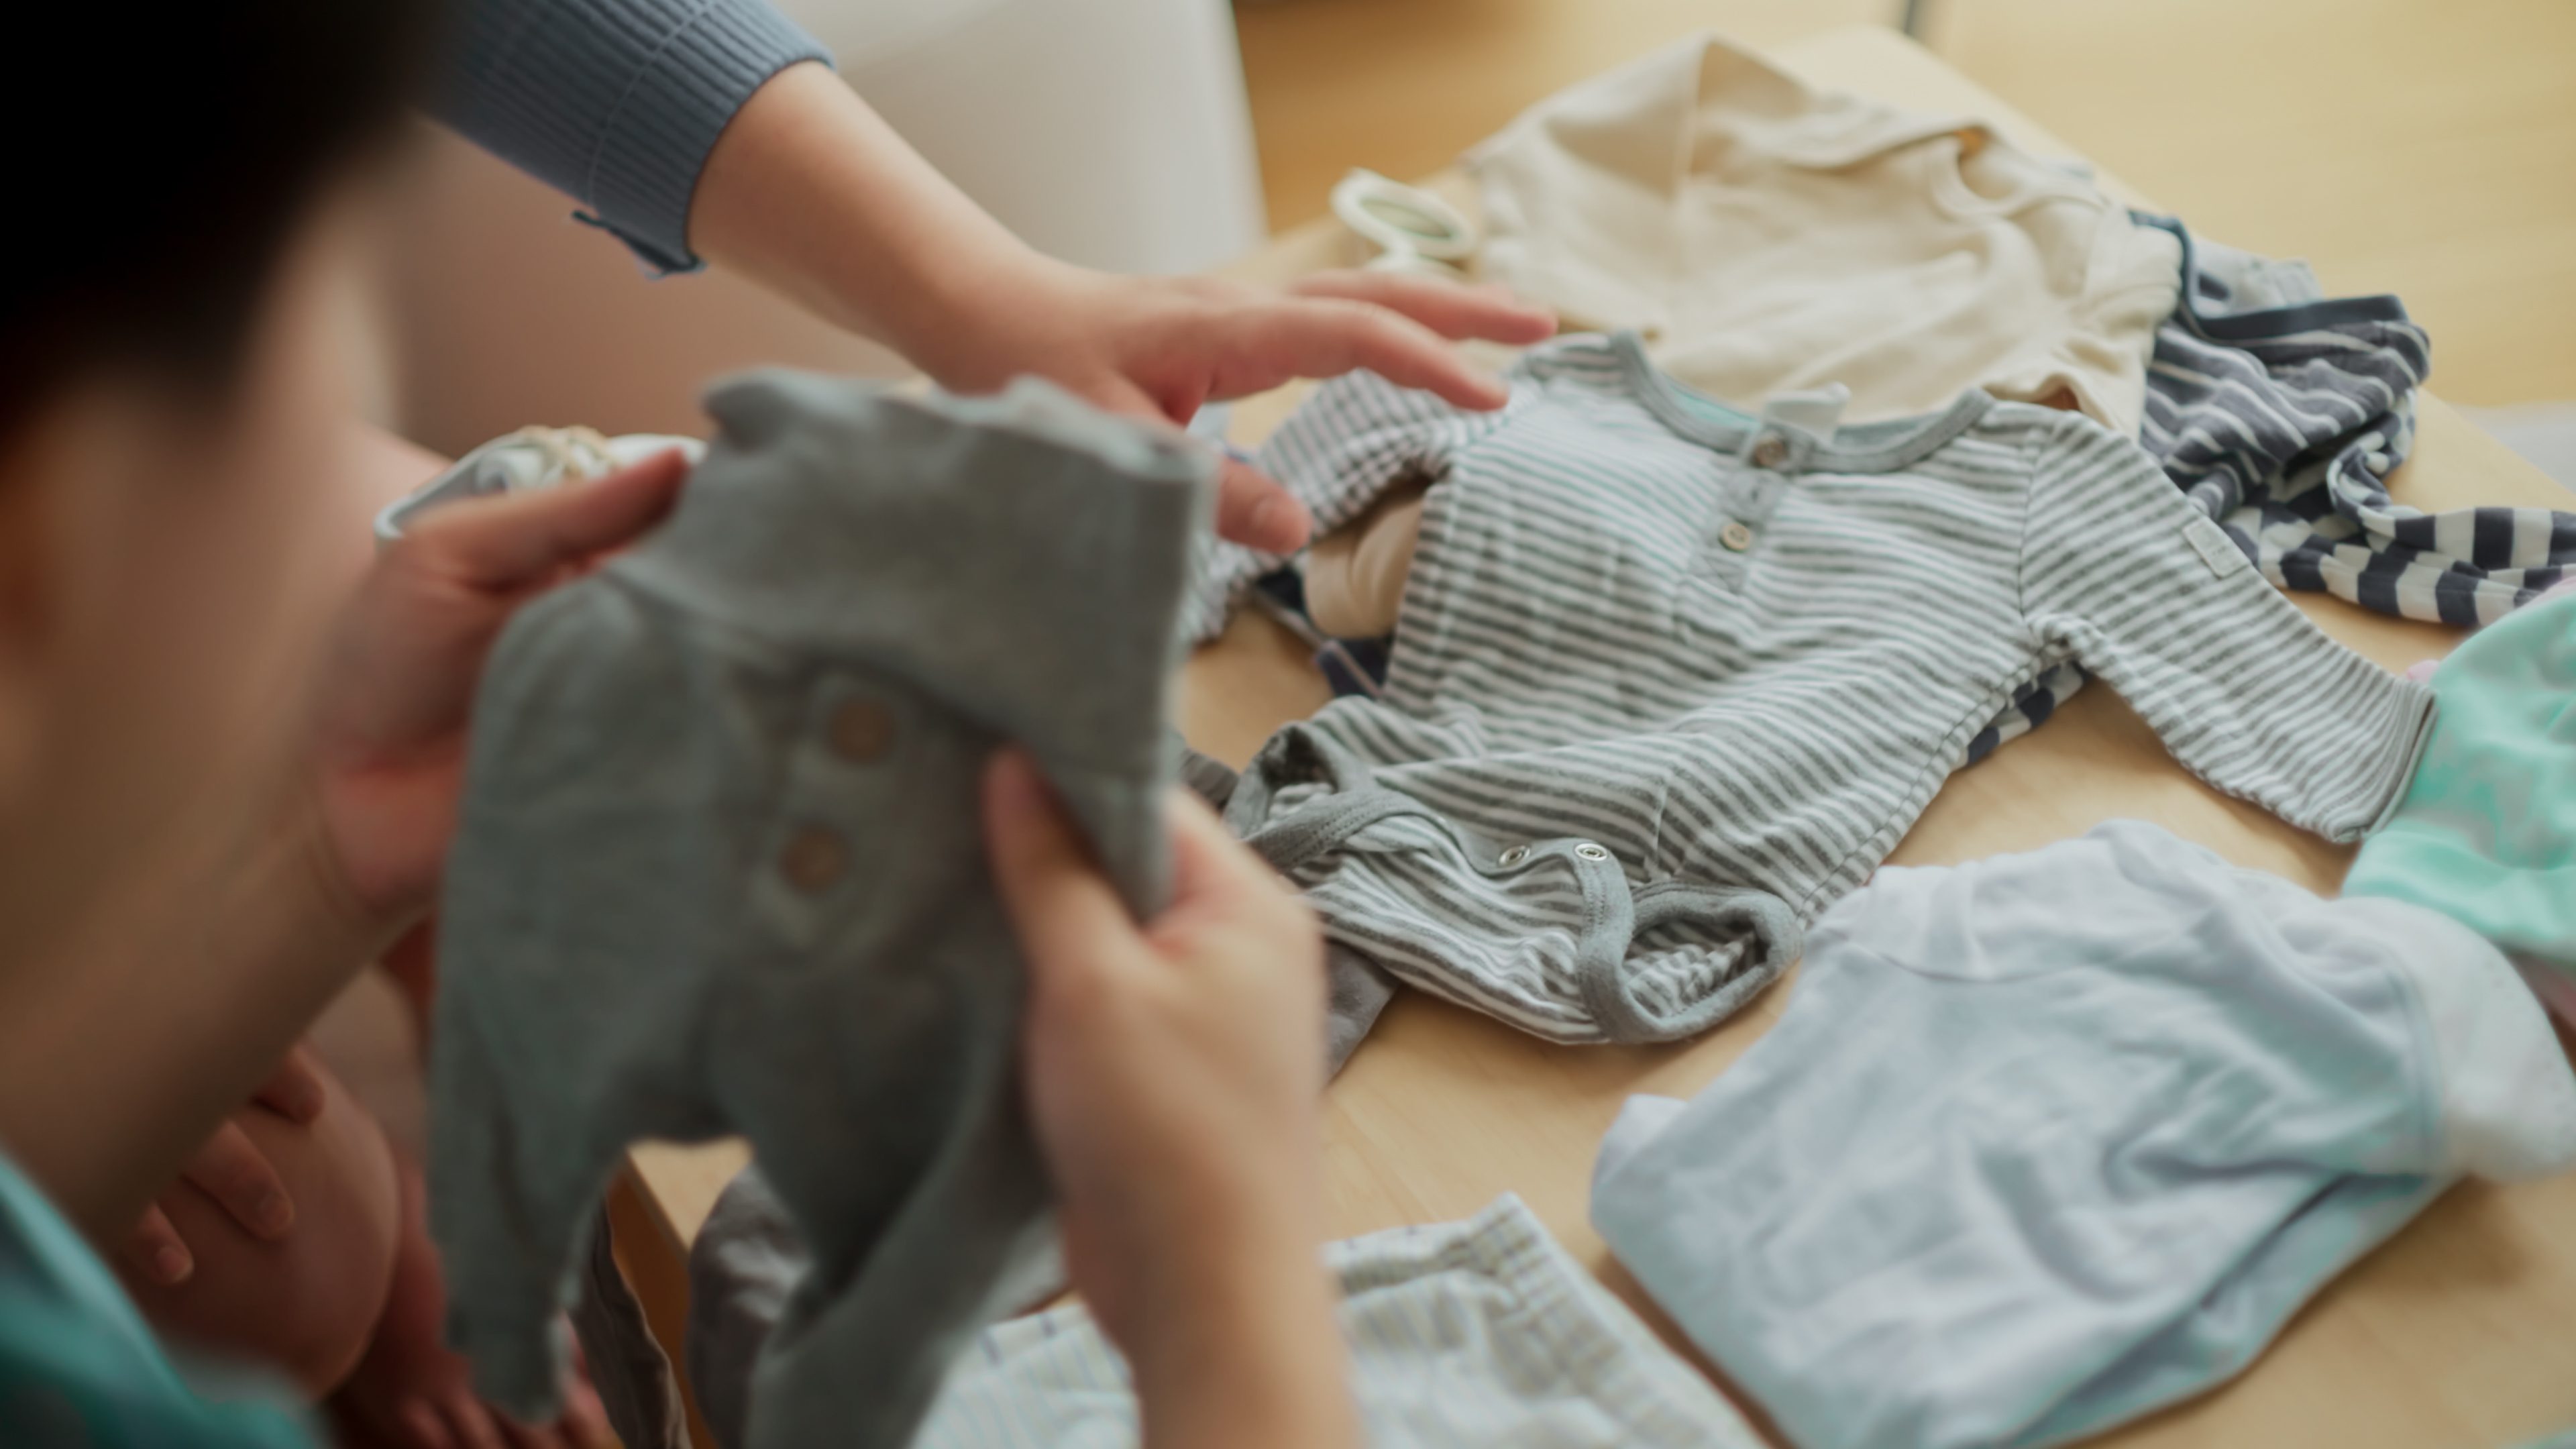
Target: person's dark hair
pixel 163 164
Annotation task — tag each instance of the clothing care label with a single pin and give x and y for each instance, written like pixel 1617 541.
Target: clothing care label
pixel 2215 548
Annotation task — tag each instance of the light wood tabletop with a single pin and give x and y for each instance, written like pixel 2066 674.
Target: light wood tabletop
pixel 2459 1334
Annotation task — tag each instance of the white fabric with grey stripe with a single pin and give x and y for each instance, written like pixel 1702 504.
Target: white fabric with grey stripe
pixel 1670 680
pixel 1482 1333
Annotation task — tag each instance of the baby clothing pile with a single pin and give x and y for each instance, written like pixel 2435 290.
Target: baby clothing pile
pixel 1887 438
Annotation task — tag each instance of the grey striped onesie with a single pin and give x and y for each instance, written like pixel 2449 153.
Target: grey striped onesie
pixel 1670 680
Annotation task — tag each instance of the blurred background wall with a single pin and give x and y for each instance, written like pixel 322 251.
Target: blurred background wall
pixel 1108 132
pixel 2424 149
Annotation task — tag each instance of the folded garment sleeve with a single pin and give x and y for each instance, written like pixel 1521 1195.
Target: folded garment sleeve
pixel 1337 454
pixel 2122 573
pixel 616 103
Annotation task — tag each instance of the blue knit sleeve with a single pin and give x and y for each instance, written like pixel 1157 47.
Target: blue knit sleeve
pixel 614 102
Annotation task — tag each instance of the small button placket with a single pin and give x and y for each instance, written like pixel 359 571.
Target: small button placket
pixel 851 736
pixel 857 731
pixel 1768 459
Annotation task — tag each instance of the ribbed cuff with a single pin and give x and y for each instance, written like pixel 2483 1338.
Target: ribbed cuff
pixel 616 103
pixel 644 171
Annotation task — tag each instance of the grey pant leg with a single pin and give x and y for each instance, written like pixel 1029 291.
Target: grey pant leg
pixel 1209 779
pixel 1357 989
pixel 627 1367
pixel 1357 992
pixel 745 1263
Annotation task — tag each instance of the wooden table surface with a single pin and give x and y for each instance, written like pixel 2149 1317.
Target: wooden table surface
pixel 2460 1332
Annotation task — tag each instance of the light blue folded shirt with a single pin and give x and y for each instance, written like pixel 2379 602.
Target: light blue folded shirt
pixel 2049 1141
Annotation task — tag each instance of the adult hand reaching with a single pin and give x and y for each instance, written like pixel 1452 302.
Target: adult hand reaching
pixel 1163 346
pixel 812 194
pixel 389 747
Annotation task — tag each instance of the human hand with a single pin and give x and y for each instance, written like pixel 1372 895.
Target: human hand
pixel 232 1171
pixel 1175 1073
pixel 1162 346
pixel 389 747
pixel 812 194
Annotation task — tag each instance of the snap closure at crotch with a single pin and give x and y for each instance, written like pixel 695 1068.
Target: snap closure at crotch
pixel 813 859
pixel 1590 851
pixel 1735 537
pixel 1513 856
pixel 861 731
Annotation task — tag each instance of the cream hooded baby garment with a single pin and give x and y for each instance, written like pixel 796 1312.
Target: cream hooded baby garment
pixel 1764 236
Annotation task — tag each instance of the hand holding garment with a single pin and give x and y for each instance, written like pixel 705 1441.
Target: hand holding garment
pixel 1670 679
pixel 1763 236
pixel 1483 1332
pixel 2010 1171
pixel 2486 833
pixel 719 867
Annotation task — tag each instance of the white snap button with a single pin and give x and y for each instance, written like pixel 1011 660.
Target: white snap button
pixel 1736 537
pixel 1770 451
pixel 1513 856
pixel 1590 851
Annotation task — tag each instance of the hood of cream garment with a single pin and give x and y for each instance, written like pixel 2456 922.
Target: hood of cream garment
pixel 1765 236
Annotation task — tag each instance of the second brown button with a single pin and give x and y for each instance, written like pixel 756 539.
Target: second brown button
pixel 1770 451
pixel 862 731
pixel 813 859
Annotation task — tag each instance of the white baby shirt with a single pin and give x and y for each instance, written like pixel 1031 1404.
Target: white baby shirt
pixel 2052 1140
pixel 1764 236
pixel 1480 1333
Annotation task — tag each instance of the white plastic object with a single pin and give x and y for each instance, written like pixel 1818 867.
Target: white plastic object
pixel 1414 230
pixel 530 460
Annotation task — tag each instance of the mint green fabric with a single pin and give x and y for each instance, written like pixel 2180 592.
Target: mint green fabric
pixel 2486 833
pixel 78 1366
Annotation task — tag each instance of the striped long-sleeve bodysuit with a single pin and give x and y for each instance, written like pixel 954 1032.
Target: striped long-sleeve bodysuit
pixel 1669 680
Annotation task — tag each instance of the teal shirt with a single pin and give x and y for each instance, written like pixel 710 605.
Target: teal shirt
pixel 2487 831
pixel 79 1368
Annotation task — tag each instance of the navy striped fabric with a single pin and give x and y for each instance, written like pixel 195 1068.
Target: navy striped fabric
pixel 1670 680
pixel 2282 414
pixel 615 103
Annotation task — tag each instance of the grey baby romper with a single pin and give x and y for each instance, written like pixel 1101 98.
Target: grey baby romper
pixel 720 868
